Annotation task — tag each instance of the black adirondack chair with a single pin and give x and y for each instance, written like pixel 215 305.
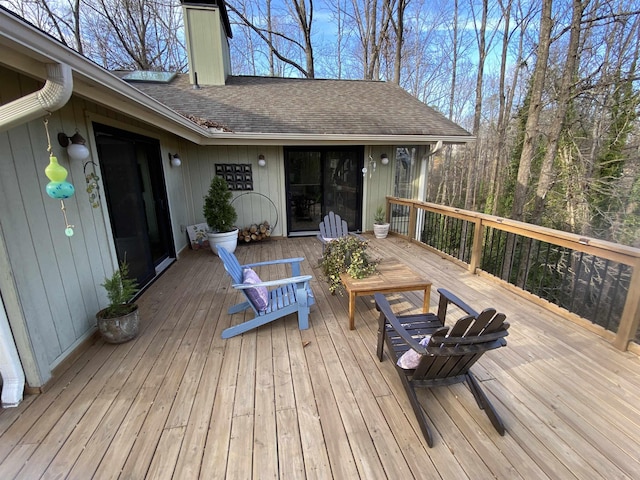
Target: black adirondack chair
pixel 449 353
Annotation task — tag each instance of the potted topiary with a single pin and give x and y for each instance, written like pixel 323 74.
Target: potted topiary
pixel 119 322
pixel 380 224
pixel 220 216
pixel 346 255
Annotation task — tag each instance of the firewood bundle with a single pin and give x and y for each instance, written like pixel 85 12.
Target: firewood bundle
pixel 255 232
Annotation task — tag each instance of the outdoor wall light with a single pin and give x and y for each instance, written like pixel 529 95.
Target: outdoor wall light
pixel 175 160
pixel 261 160
pixel 75 145
pixel 384 159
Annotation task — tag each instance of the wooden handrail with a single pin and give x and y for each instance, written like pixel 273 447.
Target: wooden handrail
pixel 622 254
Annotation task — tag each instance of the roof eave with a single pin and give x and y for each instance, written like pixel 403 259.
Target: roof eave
pixel 230 138
pixel 34 49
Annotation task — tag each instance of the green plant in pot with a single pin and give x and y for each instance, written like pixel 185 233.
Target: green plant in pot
pixel 346 255
pixel 380 224
pixel 119 322
pixel 220 216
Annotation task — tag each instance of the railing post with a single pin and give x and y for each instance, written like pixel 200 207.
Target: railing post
pixel 413 213
pixel 631 314
pixel 387 214
pixel 476 249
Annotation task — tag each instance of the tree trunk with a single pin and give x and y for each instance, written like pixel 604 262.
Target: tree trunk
pixel 565 96
pixel 535 106
pixel 399 29
pixel 454 63
pixel 469 198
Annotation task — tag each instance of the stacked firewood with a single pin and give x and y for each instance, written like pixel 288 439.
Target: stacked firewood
pixel 255 232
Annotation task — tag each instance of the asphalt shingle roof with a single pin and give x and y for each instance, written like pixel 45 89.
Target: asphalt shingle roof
pixel 304 106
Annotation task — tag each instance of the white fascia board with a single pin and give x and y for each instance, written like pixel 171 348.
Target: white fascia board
pixel 230 138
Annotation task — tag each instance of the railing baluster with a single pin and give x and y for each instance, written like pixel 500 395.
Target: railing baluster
pixel 545 269
pixel 603 278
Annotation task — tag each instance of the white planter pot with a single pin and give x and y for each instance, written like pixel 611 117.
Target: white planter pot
pixel 229 240
pixel 381 230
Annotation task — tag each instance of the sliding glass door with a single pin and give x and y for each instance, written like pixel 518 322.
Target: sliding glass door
pixel 320 180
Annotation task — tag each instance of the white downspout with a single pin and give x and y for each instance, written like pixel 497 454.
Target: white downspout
pixel 10 366
pixel 53 96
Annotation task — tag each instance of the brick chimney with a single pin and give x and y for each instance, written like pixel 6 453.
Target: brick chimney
pixel 207 31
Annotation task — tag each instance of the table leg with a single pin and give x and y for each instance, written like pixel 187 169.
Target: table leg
pixel 352 311
pixel 427 299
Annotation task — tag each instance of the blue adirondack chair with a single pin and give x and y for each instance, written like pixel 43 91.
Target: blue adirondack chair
pixel 285 296
pixel 333 227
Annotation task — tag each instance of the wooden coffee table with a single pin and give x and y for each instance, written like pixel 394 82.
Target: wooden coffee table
pixel 391 276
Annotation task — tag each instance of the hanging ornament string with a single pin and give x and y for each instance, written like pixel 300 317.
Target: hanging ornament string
pixel 68 231
pixel 58 187
pixel 46 129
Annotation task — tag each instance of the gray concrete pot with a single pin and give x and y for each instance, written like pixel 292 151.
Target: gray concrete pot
pixel 119 329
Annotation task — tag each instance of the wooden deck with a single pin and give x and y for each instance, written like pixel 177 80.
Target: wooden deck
pixel 180 402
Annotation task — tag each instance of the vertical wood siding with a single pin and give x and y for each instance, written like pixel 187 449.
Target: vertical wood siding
pixel 58 279
pixel 267 181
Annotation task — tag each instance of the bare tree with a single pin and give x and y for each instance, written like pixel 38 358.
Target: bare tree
pixel 506 95
pixel 117 34
pixel 454 62
pixel 398 28
pixel 564 100
pixel 533 115
pixel 62 20
pixel 301 14
pixel 469 200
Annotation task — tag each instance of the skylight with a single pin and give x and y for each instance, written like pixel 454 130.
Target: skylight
pixel 147 76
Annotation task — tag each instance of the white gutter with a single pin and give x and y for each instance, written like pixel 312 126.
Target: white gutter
pixel 53 96
pixel 246 138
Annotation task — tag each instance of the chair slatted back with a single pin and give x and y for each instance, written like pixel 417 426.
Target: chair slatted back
pixel 333 226
pixel 231 264
pixel 452 352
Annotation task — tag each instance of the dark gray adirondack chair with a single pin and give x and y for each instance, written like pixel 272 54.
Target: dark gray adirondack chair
pixel 448 356
pixel 332 227
pixel 290 295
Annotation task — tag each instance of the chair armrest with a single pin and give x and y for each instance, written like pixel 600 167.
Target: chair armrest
pixel 294 262
pixel 273 283
pixel 383 306
pixel 273 262
pixel 446 297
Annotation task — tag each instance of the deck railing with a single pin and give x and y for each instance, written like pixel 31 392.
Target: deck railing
pixel 593 282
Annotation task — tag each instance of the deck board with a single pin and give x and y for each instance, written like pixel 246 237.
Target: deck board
pixel 180 402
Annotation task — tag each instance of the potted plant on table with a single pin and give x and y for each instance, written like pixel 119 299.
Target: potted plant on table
pixel 380 224
pixel 346 255
pixel 119 322
pixel 220 216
